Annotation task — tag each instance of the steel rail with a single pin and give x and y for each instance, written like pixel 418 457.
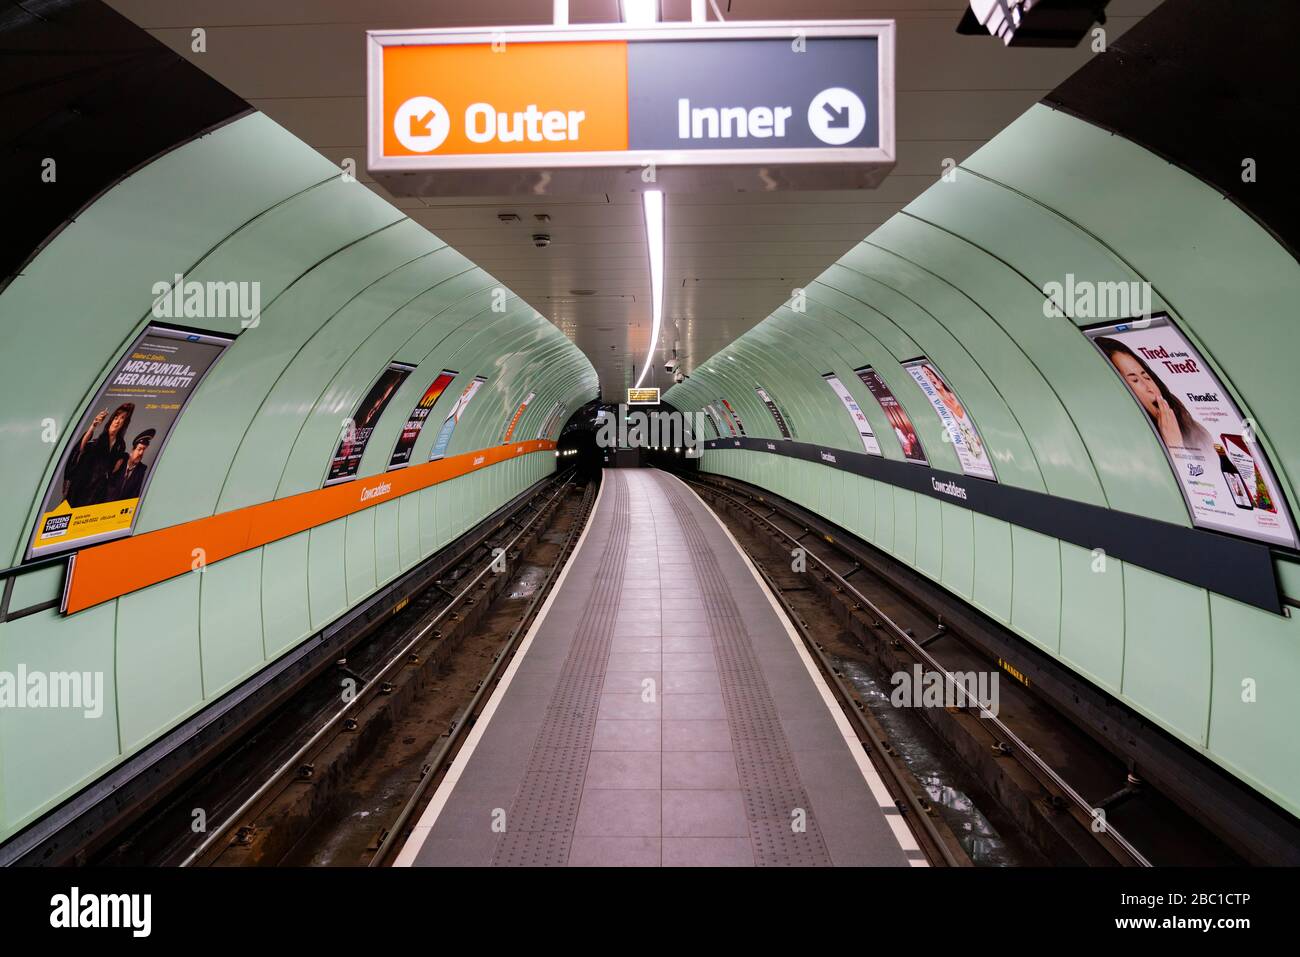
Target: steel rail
pixel 364 695
pixel 1024 751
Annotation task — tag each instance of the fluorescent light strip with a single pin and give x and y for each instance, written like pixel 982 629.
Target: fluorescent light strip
pixel 653 201
pixel 640 12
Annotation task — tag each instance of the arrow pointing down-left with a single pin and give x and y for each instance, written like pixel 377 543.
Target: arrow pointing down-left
pixel 421 125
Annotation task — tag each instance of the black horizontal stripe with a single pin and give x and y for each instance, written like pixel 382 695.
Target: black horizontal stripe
pixel 1223 564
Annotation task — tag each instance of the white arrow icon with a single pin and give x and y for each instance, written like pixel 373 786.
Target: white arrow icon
pixel 836 116
pixel 421 124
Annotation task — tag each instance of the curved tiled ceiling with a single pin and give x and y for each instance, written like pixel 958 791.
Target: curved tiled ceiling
pixel 731 258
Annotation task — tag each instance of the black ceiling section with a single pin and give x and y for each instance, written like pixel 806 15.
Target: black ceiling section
pixel 84 86
pixel 1206 84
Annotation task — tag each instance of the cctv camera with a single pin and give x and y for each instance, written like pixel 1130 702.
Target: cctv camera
pixel 670 365
pixel 679 377
pixel 541 240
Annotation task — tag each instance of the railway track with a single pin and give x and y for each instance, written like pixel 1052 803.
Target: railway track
pixel 440 757
pixel 335 775
pixel 1060 817
pixel 340 778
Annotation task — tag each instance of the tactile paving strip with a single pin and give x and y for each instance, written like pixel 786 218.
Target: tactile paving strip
pixel 540 822
pixel 782 826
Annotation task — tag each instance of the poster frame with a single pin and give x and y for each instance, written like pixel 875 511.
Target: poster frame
pixel 1092 331
pixel 392 467
pixel 924 360
pixel 409 367
pixel 31 552
pixel 924 460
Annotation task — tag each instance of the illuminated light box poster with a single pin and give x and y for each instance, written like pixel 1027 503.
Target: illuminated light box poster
pixel 716 418
pixel 728 425
pixel 97 488
pixel 867 436
pixel 713 422
pixel 954 418
pixel 415 421
pixel 895 413
pixel 449 424
pixel 733 417
pixel 514 420
pixel 773 410
pixel 549 423
pixel 1224 475
pixel 347 456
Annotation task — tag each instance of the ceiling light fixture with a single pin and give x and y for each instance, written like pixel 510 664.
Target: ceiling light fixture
pixel 640 12
pixel 653 202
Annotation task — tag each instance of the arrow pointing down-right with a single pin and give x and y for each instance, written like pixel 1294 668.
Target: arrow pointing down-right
pixel 839 118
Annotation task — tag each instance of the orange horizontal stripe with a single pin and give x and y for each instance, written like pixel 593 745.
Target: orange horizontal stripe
pixel 104 572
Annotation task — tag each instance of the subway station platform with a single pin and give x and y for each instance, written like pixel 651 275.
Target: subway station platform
pixel 661 711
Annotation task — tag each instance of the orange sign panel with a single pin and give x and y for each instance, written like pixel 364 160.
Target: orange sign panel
pixel 484 98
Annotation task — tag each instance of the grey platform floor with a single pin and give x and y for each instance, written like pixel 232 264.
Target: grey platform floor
pixel 660 713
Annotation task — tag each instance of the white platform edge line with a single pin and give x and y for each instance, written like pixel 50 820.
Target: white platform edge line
pixel 902 833
pixel 420 833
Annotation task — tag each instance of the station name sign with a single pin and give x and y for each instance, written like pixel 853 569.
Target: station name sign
pixel 779 104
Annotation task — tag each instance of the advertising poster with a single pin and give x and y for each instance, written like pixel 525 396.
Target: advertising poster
pixel 895 413
pixel 955 419
pixel 96 490
pixel 514 420
pixel 1223 473
pixel 550 422
pixel 449 424
pixel 868 437
pixel 415 421
pixel 775 412
pixel 352 445
pixel 724 431
pixel 738 427
pixel 712 423
pixel 721 413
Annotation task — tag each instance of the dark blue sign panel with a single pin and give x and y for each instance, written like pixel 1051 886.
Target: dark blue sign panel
pixel 814 92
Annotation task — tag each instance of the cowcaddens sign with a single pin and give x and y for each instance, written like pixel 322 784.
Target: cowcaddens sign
pixel 537 109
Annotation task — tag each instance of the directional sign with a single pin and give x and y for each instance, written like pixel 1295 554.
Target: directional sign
pixel 538 109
